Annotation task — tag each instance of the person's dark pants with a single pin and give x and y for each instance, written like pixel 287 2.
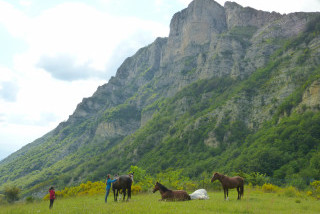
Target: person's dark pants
pixel 107 193
pixel 51 203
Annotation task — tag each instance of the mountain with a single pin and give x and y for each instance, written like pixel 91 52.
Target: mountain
pixel 230 89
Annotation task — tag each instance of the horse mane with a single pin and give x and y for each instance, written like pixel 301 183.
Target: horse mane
pixel 163 188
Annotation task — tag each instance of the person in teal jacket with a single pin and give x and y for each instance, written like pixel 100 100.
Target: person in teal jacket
pixel 108 187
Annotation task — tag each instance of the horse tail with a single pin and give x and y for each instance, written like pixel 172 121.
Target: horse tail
pixel 242 187
pixel 241 190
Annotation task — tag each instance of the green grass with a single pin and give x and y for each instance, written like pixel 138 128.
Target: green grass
pixel 253 202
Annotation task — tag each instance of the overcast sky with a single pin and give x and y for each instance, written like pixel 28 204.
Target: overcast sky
pixel 55 53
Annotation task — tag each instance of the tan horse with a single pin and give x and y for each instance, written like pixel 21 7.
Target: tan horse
pixel 172 195
pixel 229 183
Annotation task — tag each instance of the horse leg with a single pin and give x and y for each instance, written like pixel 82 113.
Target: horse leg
pixel 124 193
pixel 224 190
pixel 129 193
pixel 241 191
pixel 117 195
pixel 238 190
pixel 227 194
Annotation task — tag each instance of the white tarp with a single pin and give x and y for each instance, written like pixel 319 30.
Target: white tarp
pixel 200 194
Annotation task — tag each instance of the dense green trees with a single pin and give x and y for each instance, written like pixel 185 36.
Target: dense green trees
pixel 285 151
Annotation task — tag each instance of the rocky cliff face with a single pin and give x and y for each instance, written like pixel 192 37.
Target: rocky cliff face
pixel 236 15
pixel 207 41
pixel 203 37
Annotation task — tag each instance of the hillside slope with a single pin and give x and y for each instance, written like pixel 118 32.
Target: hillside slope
pixel 230 89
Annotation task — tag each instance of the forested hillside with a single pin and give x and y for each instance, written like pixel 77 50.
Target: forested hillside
pixel 232 89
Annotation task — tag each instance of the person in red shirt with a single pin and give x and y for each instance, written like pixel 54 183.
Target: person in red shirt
pixel 52 196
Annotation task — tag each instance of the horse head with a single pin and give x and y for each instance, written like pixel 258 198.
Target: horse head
pixel 215 176
pixel 156 187
pixel 131 175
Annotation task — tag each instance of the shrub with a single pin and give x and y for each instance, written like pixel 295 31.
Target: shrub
pixel 268 188
pixel 2 199
pixel 255 178
pixel 30 199
pixel 135 189
pixel 12 194
pixel 142 178
pixel 291 192
pixel 309 193
pixel 315 189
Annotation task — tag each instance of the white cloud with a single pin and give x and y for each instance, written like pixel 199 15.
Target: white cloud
pixel 8 91
pixel 25 3
pixel 64 67
pixel 14 20
pixel 86 34
pixel 185 2
pixel 8 85
pixel 71 36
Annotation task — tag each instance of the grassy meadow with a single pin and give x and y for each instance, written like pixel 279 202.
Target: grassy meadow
pixel 254 201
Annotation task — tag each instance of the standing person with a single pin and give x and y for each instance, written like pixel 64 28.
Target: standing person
pixel 52 196
pixel 108 183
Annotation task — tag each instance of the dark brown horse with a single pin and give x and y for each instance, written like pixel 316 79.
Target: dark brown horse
pixel 172 195
pixel 229 183
pixel 124 183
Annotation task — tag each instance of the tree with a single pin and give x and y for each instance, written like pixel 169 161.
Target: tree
pixel 12 194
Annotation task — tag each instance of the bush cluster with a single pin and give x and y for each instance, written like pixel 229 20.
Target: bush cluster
pixel 268 188
pixel 89 188
pixel 315 189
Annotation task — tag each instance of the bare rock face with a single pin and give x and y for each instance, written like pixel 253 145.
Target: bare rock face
pixel 115 129
pixel 195 25
pixel 236 15
pixel 285 26
pixel 311 96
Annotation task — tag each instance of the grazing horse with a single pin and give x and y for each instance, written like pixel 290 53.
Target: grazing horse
pixel 173 195
pixel 124 183
pixel 229 183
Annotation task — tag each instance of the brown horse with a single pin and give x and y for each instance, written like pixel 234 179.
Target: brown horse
pixel 172 195
pixel 229 183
